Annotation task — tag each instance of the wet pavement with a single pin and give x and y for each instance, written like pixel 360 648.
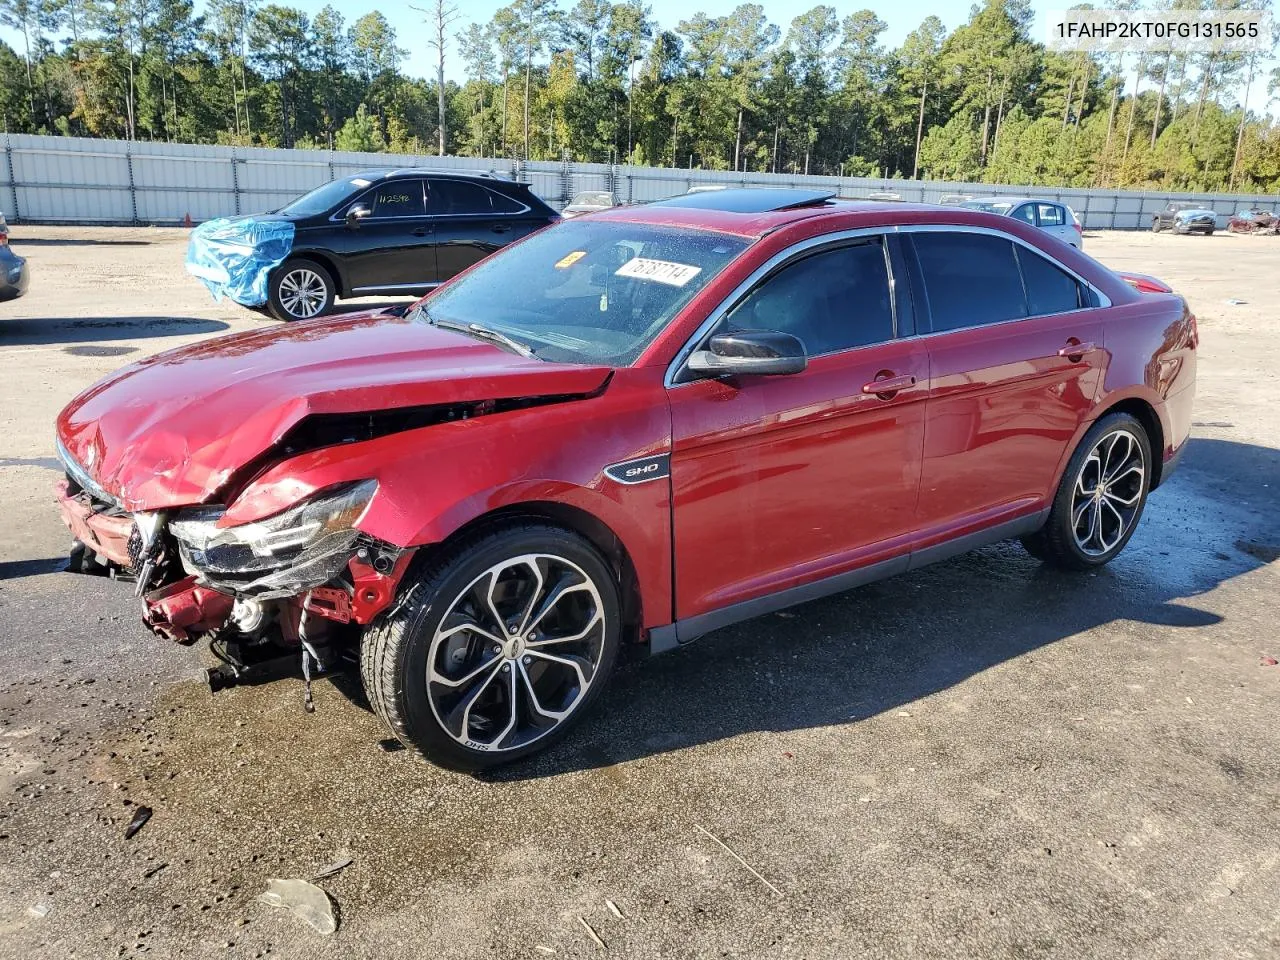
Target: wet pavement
pixel 984 758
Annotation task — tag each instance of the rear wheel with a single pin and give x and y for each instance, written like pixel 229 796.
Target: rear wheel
pixel 1155 225
pixel 1100 499
pixel 299 289
pixel 498 649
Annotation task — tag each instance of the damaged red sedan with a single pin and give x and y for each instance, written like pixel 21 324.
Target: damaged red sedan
pixel 631 428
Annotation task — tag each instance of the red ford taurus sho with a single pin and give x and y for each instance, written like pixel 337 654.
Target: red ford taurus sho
pixel 636 427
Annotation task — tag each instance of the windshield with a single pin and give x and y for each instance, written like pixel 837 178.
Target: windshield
pixel 593 200
pixel 587 292
pixel 989 206
pixel 325 197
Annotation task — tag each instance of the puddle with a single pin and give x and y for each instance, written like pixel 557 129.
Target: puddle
pixel 93 350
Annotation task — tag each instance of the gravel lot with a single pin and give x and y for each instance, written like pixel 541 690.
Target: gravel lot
pixel 981 759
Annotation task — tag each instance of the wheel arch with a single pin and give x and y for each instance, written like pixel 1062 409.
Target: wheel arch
pixel 577 520
pixel 1145 413
pixel 326 260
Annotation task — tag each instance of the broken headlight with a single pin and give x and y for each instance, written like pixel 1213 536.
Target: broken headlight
pixel 311 541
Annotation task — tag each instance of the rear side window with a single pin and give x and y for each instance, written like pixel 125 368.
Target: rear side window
pixel 1049 288
pixel 400 198
pixel 833 300
pixel 971 279
pixel 1051 215
pixel 503 204
pixel 457 197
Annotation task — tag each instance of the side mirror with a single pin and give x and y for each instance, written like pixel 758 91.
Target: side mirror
pixel 357 213
pixel 750 352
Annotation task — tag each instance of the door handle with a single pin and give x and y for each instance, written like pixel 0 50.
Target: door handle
pixel 1075 350
pixel 885 386
pixel 500 228
pixel 420 232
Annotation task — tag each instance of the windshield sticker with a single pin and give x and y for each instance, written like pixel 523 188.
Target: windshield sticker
pixel 659 271
pixel 569 259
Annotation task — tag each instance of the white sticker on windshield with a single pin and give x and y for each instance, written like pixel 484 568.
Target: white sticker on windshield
pixel 356 181
pixel 659 271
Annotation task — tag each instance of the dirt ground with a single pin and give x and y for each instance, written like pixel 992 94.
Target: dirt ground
pixel 981 759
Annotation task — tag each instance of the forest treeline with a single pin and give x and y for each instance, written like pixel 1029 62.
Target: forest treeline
pixel 601 81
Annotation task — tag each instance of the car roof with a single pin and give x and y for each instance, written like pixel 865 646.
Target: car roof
pixel 388 172
pixel 1014 200
pixel 850 214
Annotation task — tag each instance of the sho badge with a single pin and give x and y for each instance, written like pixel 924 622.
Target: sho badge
pixel 641 470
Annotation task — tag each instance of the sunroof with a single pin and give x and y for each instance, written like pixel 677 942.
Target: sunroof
pixel 750 200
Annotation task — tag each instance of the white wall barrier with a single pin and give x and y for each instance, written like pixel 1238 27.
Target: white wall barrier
pixel 75 180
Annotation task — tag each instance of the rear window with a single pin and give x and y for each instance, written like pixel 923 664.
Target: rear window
pixel 971 279
pixel 587 291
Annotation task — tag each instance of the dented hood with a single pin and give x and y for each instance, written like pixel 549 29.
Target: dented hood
pixel 171 430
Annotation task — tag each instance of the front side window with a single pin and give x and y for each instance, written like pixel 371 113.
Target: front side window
pixel 833 300
pixel 587 292
pixel 971 279
pixel 399 198
pixel 1050 215
pixel 1026 213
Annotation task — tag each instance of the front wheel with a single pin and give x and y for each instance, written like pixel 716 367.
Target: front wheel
pixel 1100 498
pixel 497 649
pixel 1155 226
pixel 299 289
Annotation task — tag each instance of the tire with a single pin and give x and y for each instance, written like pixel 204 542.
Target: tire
pixel 478 672
pixel 1087 529
pixel 299 289
pixel 1155 226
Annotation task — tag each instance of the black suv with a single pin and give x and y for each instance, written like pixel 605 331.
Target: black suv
pixel 388 232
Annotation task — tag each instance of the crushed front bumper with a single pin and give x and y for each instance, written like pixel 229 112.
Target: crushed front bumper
pixel 101 528
pixel 187 604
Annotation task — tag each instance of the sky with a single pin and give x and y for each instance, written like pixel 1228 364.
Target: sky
pixel 902 16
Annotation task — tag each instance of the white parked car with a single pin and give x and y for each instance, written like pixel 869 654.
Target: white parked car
pixel 1049 215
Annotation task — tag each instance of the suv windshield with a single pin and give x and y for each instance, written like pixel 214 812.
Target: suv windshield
pixel 325 197
pixel 587 292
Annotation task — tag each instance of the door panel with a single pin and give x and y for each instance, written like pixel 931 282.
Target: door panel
pixel 464 241
pixel 1008 388
pixel 780 481
pixel 394 247
pixel 1002 406
pixel 470 224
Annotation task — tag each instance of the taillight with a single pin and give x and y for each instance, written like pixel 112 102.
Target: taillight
pixel 1145 284
pixel 4 238
pixel 1193 329
pixel 1079 229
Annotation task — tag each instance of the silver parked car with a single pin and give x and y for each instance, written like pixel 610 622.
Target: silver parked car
pixel 13 269
pixel 1049 215
pixel 589 201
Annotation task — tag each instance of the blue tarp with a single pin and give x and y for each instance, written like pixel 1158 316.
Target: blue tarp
pixel 233 257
